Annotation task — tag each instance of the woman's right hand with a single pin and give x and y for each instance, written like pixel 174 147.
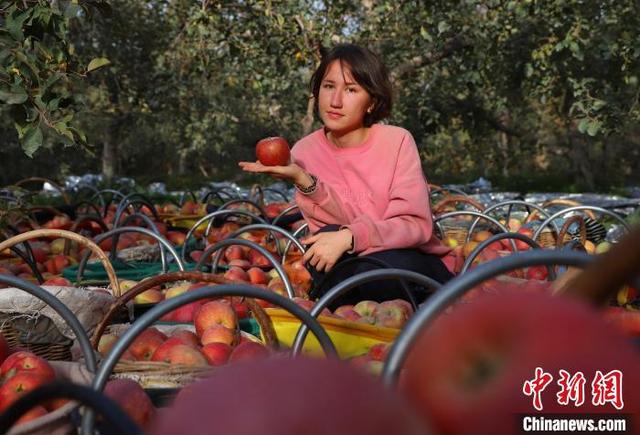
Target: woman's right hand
pixel 291 172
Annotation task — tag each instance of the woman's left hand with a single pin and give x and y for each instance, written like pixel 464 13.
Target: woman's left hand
pixel 326 248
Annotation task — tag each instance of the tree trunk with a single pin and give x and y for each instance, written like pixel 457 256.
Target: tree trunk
pixel 580 161
pixel 307 121
pixel 110 153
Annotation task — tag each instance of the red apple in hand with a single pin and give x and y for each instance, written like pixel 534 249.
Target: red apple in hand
pixel 273 151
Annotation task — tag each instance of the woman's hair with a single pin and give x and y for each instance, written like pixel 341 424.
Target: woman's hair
pixel 367 70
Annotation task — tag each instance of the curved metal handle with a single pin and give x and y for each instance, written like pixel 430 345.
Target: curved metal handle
pixel 212 216
pixel 62 310
pixel 528 240
pixel 131 200
pixel 458 286
pixel 67 390
pixel 437 219
pixel 272 228
pixel 276 191
pixel 145 285
pixel 226 205
pixel 76 225
pixel 283 213
pixel 354 281
pixel 372 260
pixel 579 208
pixel 108 267
pixel 151 225
pixel 242 242
pixel 100 237
pixel 510 203
pixel 184 194
pixel 114 194
pixel 295 234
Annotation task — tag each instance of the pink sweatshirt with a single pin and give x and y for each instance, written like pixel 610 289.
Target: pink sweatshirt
pixel 377 190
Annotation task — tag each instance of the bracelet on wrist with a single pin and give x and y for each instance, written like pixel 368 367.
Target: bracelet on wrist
pixel 309 189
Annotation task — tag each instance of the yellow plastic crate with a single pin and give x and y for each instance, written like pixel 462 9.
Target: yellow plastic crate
pixel 350 338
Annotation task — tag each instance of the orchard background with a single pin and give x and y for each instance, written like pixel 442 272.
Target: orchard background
pixel 530 94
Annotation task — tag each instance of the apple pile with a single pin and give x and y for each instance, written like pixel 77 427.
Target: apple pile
pixel 21 372
pixel 216 341
pixel 185 313
pixel 387 314
pixel 373 361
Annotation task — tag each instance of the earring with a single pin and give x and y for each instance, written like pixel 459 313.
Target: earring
pixel 369 110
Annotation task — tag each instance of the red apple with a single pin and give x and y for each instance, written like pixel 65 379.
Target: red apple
pixel 378 352
pixel 26 362
pixel 176 289
pixel 243 264
pixel 352 403
pixel 273 151
pixel 177 238
pixel 58 281
pixel 32 414
pixel 256 259
pixel 215 313
pixel 257 276
pixel 390 316
pixel 219 334
pixel 132 399
pixel 248 351
pixel 106 343
pixel 185 355
pixel 4 349
pixel 146 344
pixel 151 296
pixel 217 354
pixel 241 308
pixel 346 312
pixel 162 352
pixel 234 252
pixel 366 308
pixel 17 385
pixel 236 273
pixel 187 337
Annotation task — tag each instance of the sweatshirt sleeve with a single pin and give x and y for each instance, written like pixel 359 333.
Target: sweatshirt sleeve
pixel 407 221
pixel 323 205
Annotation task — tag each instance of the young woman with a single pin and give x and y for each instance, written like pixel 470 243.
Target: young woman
pixel 359 183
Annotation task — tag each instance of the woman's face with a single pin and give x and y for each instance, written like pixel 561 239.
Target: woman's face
pixel 342 102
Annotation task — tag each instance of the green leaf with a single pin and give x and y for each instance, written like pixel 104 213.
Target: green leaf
pixel 98 62
pixel 15 22
pixel 32 140
pixel 16 95
pixel 583 125
pixel 594 128
pixel 443 26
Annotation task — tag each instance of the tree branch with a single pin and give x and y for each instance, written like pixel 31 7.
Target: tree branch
pixel 451 46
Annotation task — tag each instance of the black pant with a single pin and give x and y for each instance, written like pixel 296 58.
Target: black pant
pixel 408 259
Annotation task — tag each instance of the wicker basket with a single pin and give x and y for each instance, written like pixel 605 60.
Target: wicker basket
pixel 48 351
pixel 151 374
pixel 95 249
